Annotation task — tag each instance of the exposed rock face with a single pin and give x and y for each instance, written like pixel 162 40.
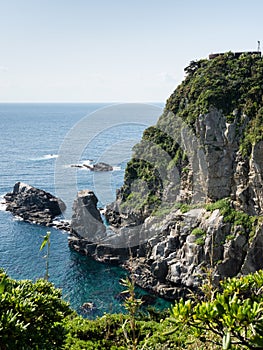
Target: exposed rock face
pixel 86 220
pixel 89 235
pixel 33 205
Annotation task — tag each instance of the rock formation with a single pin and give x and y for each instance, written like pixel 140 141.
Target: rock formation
pixel 101 166
pixel 192 198
pixel 86 220
pixel 33 205
pixel 88 234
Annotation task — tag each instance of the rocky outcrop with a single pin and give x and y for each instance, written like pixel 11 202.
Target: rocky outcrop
pixel 34 205
pixel 86 220
pixel 171 258
pixel 101 166
pixel 88 234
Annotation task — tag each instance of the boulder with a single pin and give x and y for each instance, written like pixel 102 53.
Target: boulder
pixel 33 205
pixel 102 167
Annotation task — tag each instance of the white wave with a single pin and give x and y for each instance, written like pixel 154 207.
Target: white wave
pixel 116 168
pixel 87 162
pixel 2 203
pixel 50 156
pixel 45 157
pixel 17 218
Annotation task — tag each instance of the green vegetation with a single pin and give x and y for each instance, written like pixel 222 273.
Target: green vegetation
pixel 46 241
pixel 200 235
pixel 147 192
pixel 31 315
pixel 231 317
pixel 34 316
pixel 132 305
pixel 198 232
pixel 231 84
pixel 228 83
pixel 156 156
pixel 235 217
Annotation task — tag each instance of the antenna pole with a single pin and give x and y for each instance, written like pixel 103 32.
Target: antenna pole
pixel 258 46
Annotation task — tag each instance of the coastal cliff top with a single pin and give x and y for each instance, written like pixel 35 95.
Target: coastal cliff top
pixel 231 83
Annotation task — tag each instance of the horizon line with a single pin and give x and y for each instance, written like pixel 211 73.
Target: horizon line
pixel 81 102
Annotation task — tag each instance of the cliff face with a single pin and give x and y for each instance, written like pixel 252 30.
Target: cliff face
pixel 192 195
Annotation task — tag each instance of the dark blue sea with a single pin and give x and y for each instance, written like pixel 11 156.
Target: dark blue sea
pixel 39 145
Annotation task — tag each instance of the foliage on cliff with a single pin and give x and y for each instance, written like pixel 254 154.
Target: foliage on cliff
pixel 233 315
pixel 226 82
pixel 230 83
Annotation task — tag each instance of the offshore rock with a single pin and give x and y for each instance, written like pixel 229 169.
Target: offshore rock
pixel 101 166
pixel 33 205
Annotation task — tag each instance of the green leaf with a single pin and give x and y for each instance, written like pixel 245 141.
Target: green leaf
pixel 226 341
pixel 3 284
pixel 45 240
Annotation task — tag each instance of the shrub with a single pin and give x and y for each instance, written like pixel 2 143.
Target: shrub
pixel 31 315
pixel 234 314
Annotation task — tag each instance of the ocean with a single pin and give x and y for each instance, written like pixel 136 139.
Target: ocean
pixel 41 144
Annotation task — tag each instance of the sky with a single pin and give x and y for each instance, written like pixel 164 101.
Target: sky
pixel 115 50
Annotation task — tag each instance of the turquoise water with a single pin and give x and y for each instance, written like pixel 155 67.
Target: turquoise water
pixel 32 135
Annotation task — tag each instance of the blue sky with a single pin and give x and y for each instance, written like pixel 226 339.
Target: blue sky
pixel 111 50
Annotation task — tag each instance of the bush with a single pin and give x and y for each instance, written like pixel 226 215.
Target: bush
pixel 233 315
pixel 31 315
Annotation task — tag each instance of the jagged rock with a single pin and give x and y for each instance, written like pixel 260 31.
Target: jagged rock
pixel 88 308
pixel 86 220
pixel 33 205
pixel 102 167
pixel 253 260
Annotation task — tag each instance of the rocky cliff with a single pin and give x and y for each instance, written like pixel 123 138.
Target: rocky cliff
pixel 192 197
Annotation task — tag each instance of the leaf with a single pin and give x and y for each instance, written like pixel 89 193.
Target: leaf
pixel 226 341
pixel 3 284
pixel 45 240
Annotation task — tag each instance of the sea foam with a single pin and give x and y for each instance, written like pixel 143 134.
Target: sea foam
pixel 2 203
